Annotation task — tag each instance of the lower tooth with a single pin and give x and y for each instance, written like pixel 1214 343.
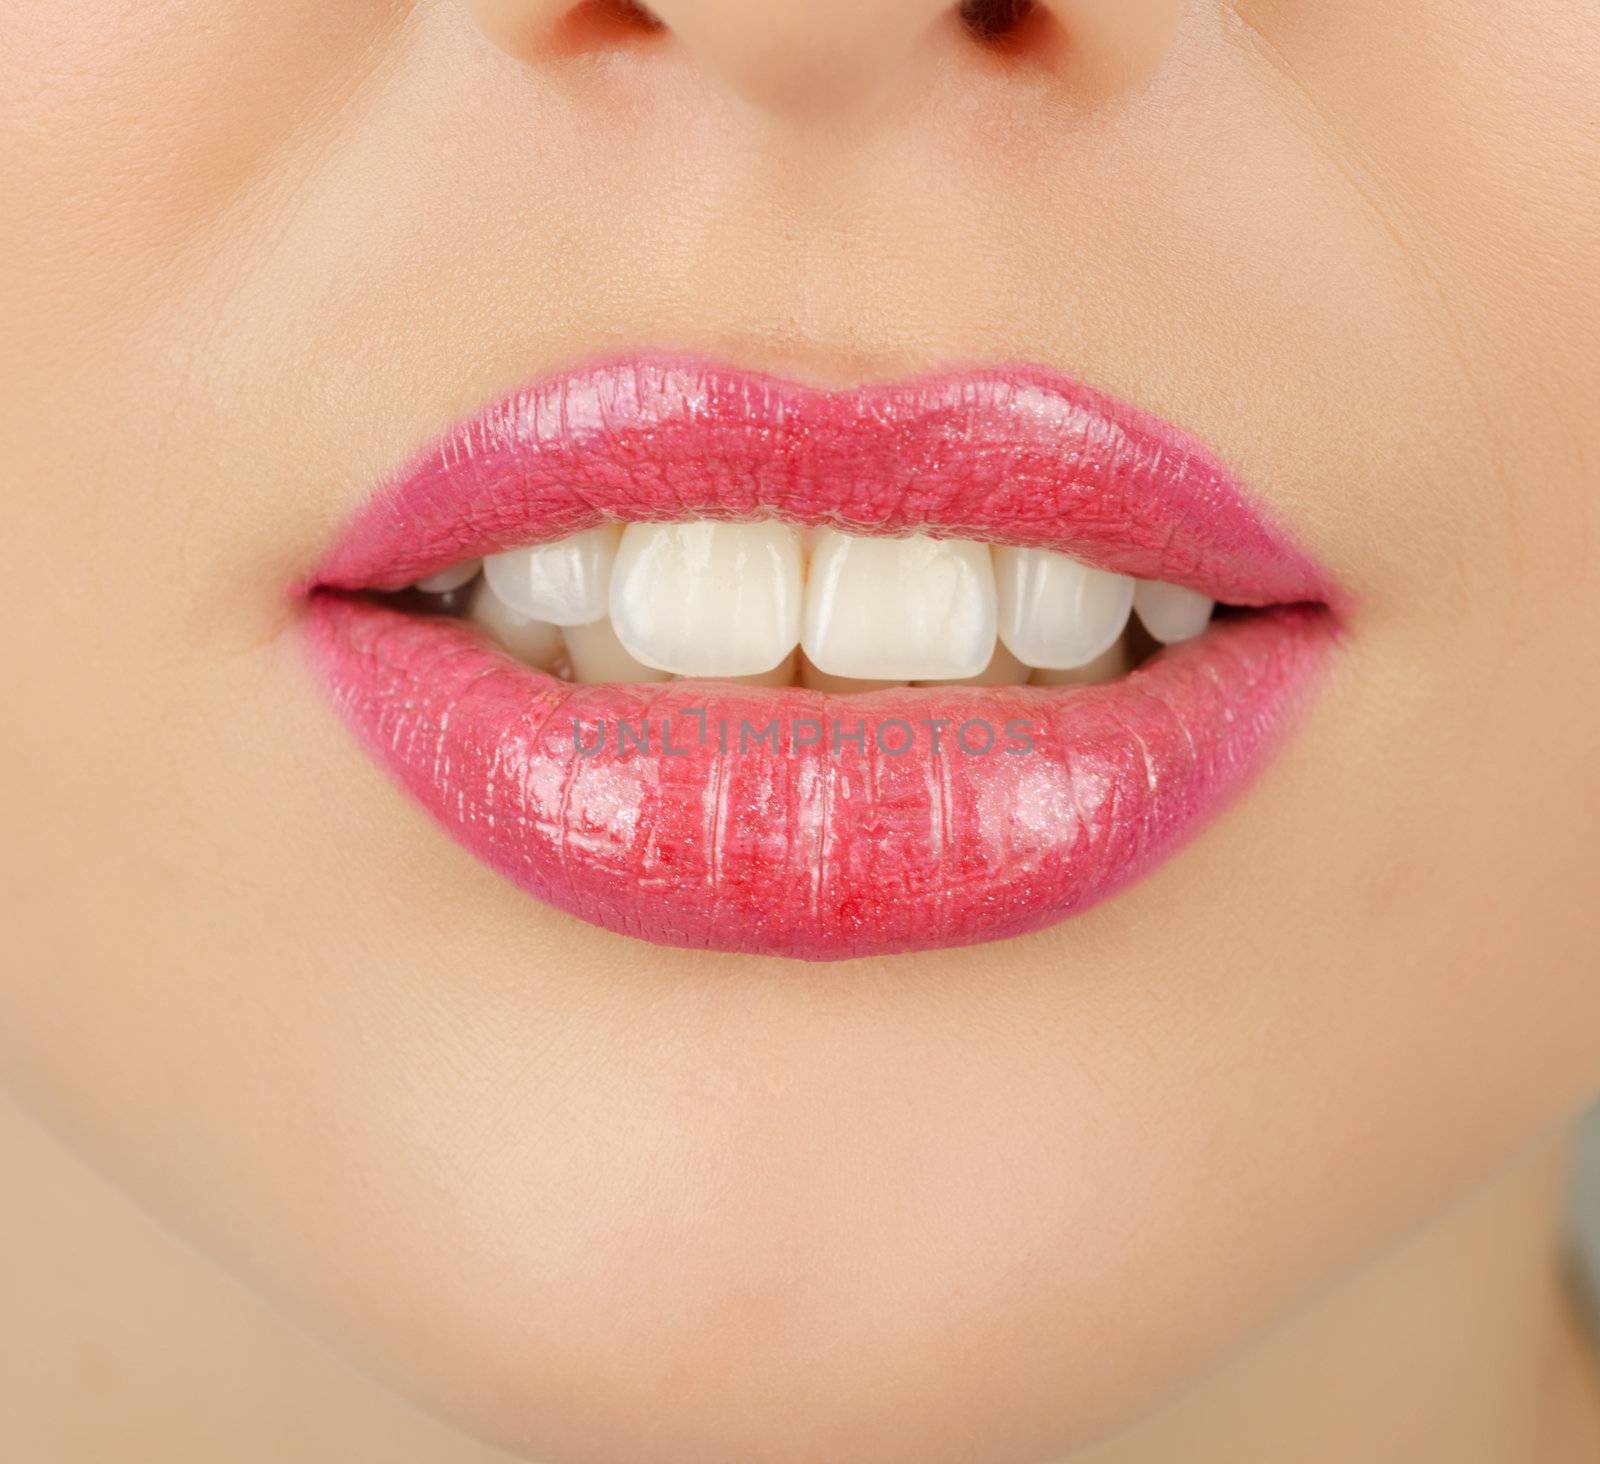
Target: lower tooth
pixel 1171 613
pixel 533 642
pixel 816 680
pixel 1107 666
pixel 597 655
pixel 1003 670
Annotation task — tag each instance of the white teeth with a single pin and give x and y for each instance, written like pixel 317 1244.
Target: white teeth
pixel 597 655
pixel 1171 613
pixel 781 675
pixel 1107 666
pixel 815 680
pixel 1056 613
pixel 737 602
pixel 707 599
pixel 450 579
pixel 536 642
pixel 1003 669
pixel 918 609
pixel 565 583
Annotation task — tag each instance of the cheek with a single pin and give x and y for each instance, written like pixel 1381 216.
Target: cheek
pixel 130 132
pixel 1476 132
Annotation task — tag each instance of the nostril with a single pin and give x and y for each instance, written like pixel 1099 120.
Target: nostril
pixel 995 20
pixel 596 23
pixel 630 12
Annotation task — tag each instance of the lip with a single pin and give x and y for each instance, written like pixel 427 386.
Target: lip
pixel 827 848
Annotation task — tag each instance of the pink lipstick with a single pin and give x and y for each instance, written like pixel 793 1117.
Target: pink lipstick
pixel 788 821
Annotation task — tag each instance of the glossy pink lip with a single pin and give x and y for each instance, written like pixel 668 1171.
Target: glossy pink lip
pixel 821 846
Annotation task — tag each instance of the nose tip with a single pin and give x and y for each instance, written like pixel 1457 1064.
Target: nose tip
pixel 807 58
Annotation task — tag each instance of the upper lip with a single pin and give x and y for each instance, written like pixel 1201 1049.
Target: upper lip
pixel 1009 455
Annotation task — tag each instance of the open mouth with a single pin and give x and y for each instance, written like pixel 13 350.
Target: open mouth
pixel 726 661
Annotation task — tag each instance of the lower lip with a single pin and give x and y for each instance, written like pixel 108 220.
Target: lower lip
pixel 822 847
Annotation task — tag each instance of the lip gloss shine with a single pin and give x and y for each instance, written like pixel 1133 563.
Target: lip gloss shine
pixel 816 846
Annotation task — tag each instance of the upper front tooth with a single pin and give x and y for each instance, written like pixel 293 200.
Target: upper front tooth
pixel 818 680
pixel 1107 666
pixel 914 609
pixel 565 583
pixel 707 599
pixel 781 675
pixel 1171 613
pixel 1003 669
pixel 1056 613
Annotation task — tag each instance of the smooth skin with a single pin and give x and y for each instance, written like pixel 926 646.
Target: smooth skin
pixel 1257 1160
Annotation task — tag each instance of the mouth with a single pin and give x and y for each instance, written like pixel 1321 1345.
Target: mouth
pixel 728 662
